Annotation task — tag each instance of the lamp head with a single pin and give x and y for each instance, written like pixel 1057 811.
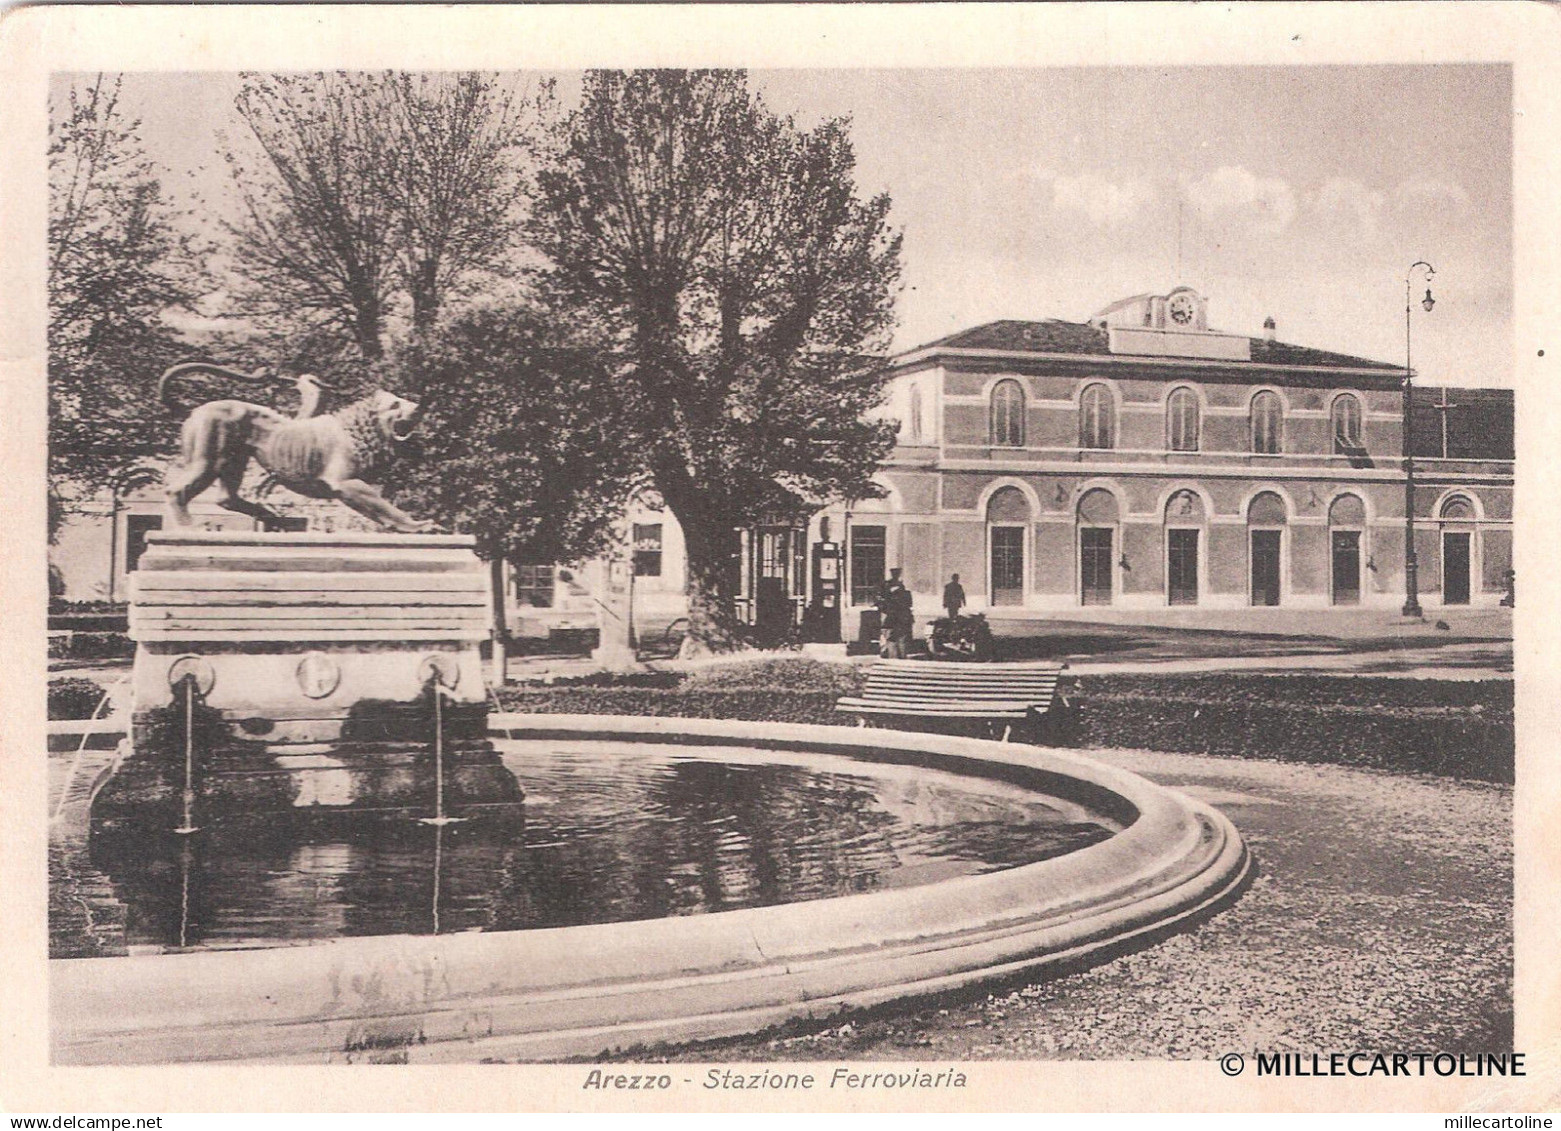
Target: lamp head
pixel 1428 302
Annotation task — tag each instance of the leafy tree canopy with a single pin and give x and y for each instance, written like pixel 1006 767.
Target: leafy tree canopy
pixel 747 289
pixel 117 266
pixel 364 191
pixel 519 444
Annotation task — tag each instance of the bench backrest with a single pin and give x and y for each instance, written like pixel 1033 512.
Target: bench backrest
pixel 933 681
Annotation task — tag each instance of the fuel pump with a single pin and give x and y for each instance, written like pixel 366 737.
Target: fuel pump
pixel 824 609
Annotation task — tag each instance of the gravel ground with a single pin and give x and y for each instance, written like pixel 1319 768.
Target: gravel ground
pixel 1380 919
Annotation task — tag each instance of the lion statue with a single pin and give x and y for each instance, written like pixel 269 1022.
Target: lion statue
pixel 322 457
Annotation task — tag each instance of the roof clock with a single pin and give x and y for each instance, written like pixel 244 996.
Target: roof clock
pixel 1183 308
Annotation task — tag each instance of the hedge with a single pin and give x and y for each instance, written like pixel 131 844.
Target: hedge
pixel 1375 692
pixel 90 646
pixel 74 698
pixel 748 704
pixel 787 673
pixel 1461 729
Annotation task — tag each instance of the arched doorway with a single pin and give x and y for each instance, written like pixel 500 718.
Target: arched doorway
pixel 1346 533
pixel 1098 519
pixel 1007 524
pixel 1458 549
pixel 1266 520
pixel 1185 518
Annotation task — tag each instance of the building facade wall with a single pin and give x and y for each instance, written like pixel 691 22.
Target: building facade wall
pixel 1323 559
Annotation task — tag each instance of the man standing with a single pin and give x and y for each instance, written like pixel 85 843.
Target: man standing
pixel 894 606
pixel 953 597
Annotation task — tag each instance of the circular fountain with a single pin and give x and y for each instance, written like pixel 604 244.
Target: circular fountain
pixel 1120 862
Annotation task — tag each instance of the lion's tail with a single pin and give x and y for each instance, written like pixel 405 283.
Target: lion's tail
pixel 173 373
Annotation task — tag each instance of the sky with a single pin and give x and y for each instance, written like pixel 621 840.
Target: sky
pixel 1298 193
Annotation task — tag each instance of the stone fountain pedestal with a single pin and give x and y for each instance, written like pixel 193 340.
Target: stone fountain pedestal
pixel 314 657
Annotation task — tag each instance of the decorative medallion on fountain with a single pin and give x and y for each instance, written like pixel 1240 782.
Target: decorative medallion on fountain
pixel 318 675
pixel 312 654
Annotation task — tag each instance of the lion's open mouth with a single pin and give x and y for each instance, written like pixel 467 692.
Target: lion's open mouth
pixel 403 429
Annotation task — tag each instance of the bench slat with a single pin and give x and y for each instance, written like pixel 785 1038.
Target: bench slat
pixel 941 710
pixel 961 666
pixel 946 689
pixel 902 685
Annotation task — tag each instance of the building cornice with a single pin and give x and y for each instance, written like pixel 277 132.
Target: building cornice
pixel 950 356
pixel 1207 471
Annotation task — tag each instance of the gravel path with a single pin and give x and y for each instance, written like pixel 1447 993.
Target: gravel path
pixel 1380 919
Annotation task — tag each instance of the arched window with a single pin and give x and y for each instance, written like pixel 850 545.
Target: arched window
pixel 1185 516
pixel 1457 509
pixel 1266 509
pixel 1007 515
pixel 1097 522
pixel 913 427
pixel 1007 415
pixel 1181 421
pixel 1346 533
pixel 1460 550
pixel 1097 418
pixel 1266 519
pixel 1346 425
pixel 1266 415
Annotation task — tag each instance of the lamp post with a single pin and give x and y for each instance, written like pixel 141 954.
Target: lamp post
pixel 1411 561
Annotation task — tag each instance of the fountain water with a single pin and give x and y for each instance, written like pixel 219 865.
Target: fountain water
pixel 81 750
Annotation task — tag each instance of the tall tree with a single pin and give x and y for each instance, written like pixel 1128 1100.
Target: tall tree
pixel 454 177
pixel 747 288
pixel 317 235
pixel 371 188
pixel 117 266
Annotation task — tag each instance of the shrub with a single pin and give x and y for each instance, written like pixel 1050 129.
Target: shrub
pixel 100 646
pixel 74 698
pixel 1316 690
pixel 665 681
pixel 115 608
pixel 793 674
pixel 1458 729
pixel 734 703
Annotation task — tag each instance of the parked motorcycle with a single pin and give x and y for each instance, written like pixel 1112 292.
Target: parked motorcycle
pixel 960 638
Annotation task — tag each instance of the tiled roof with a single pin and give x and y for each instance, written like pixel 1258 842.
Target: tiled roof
pixel 1056 336
pixel 1283 353
pixel 1051 336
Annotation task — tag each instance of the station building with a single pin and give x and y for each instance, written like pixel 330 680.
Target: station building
pixel 1141 460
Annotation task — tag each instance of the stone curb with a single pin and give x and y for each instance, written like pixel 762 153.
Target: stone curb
pixel 578 991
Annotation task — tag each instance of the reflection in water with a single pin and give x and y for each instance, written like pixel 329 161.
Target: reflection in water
pixel 608 832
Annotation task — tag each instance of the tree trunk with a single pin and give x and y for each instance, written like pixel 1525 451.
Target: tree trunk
pixel 713 625
pixel 500 628
pixel 367 327
pixel 423 285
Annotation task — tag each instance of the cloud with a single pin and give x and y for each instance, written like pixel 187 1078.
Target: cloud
pixel 1107 204
pixel 1430 193
pixel 1343 198
pixel 1267 203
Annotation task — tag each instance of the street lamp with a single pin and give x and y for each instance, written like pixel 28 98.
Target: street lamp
pixel 1411 562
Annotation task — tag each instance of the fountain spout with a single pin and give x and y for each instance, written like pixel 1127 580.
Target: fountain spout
pixel 439 675
pixel 190 677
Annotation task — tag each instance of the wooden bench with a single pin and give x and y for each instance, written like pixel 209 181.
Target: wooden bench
pixel 1006 693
